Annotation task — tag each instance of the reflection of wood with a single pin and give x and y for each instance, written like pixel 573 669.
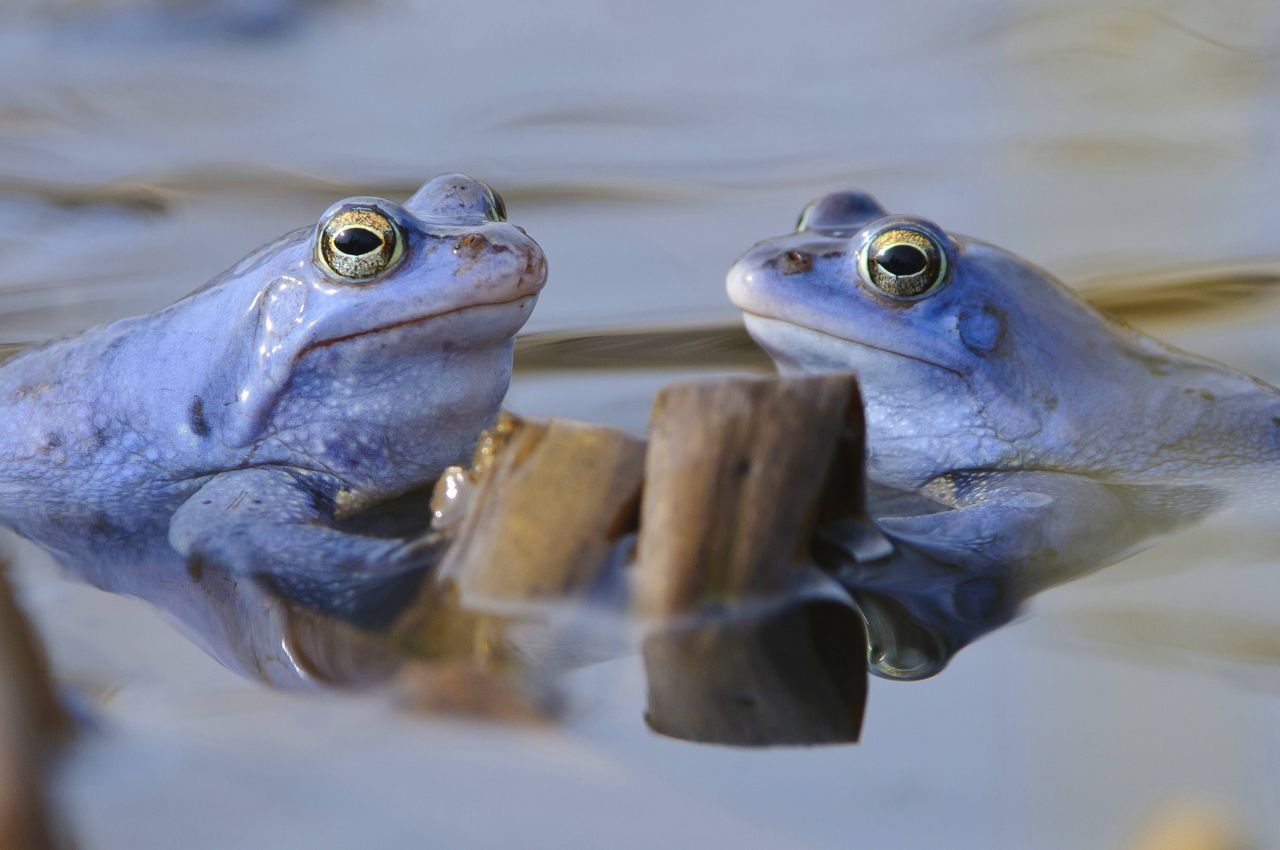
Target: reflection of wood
pixel 459 663
pixel 737 476
pixel 794 673
pixel 462 688
pixel 31 721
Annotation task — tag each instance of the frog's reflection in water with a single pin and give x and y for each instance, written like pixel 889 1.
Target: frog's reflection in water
pixel 926 595
pixel 870 599
pixel 250 628
pixel 412 633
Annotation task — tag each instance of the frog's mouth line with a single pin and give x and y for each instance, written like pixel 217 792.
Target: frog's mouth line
pixel 417 320
pixel 857 342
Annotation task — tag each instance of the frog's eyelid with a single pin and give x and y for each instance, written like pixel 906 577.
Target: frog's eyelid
pixel 397 213
pixel 840 213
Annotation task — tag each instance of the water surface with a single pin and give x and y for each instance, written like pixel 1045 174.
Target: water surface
pixel 145 146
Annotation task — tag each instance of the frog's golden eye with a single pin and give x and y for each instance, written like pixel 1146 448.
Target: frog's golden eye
pixel 903 262
pixel 359 243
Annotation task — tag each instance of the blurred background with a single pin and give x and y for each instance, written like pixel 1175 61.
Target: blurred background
pixel 145 145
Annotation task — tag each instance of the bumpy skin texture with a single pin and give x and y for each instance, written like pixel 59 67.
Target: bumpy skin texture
pixel 1015 436
pixel 233 429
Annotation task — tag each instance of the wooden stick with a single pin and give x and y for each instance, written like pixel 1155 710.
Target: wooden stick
pixel 733 480
pixel 738 474
pixel 545 512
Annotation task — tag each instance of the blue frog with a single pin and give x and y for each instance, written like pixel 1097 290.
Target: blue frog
pixel 248 427
pixel 1017 438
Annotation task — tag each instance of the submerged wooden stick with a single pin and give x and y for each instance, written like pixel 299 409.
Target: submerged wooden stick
pixel 738 475
pixel 32 721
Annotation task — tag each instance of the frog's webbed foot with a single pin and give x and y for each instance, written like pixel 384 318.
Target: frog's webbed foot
pixel 277 525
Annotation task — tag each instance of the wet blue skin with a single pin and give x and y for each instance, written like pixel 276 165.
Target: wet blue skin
pixel 1016 437
pixel 236 429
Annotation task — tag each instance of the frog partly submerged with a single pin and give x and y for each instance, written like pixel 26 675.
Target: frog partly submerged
pixel 241 428
pixel 1016 436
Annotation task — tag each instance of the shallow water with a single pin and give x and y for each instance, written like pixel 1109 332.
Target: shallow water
pixel 146 146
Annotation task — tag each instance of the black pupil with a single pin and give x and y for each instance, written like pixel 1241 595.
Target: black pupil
pixel 902 260
pixel 354 241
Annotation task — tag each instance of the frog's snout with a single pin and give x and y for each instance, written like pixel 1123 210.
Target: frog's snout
pixel 533 272
pixel 741 283
pixel 503 254
pixel 534 276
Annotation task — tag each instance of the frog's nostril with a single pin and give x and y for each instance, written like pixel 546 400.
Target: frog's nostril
pixel 795 262
pixel 471 243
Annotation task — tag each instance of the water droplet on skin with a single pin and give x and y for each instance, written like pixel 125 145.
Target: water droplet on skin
pixel 450 498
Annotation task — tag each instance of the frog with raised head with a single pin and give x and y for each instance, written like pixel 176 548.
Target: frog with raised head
pixel 242 427
pixel 1016 436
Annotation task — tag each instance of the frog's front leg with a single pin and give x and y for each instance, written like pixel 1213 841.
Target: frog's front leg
pixel 277 524
pixel 1028 529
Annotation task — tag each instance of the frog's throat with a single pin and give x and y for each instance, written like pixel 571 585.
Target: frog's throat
pixel 247 418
